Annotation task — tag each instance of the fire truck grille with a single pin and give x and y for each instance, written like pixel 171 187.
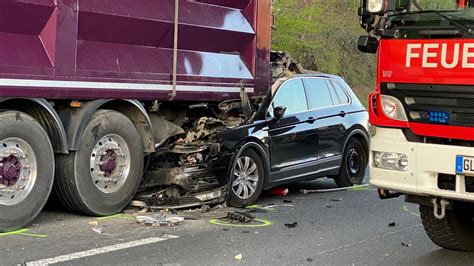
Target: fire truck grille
pixel 435 104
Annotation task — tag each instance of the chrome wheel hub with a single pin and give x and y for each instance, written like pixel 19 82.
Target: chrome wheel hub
pixel 110 163
pixel 245 178
pixel 18 170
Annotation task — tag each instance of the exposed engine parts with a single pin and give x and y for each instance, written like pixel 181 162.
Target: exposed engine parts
pixel 190 166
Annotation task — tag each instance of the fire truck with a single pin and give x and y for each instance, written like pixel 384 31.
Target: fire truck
pixel 422 110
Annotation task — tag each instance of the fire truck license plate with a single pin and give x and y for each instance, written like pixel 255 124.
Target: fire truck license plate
pixel 465 165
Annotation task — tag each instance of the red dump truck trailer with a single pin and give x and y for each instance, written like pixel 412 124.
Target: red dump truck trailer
pixel 93 92
pixel 422 111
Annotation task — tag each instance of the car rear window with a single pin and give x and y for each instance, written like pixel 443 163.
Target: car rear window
pixel 318 93
pixel 341 95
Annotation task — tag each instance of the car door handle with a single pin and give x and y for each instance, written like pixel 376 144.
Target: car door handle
pixel 311 120
pixel 342 114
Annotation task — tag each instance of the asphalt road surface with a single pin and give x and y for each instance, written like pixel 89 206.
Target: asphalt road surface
pixel 336 228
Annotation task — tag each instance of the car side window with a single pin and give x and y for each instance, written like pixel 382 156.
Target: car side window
pixel 318 93
pixel 341 95
pixel 292 96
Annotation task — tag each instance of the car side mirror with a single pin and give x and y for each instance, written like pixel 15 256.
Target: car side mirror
pixel 279 112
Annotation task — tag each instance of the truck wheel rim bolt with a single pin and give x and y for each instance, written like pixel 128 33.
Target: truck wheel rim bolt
pixel 245 178
pixel 110 163
pixel 17 170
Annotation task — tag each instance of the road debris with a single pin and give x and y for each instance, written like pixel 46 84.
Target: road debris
pixel 97 230
pixel 309 260
pixel 292 225
pixel 238 257
pixel 307 191
pixel 141 205
pixel 278 191
pixel 287 201
pixel 406 245
pixel 239 216
pixel 336 200
pixel 392 224
pixel 159 220
pixel 205 208
pixel 94 223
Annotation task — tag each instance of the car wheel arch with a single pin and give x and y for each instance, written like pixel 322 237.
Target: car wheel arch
pixel 360 133
pixel 259 148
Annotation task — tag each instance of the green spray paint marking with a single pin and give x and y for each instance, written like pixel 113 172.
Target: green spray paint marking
pixel 260 207
pixel 405 209
pixel 22 232
pixel 261 223
pixel 116 216
pixel 359 187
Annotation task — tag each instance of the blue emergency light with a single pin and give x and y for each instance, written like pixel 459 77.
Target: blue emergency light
pixel 438 117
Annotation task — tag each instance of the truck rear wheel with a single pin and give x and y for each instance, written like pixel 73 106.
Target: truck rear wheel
pixel 454 232
pixel 103 175
pixel 26 169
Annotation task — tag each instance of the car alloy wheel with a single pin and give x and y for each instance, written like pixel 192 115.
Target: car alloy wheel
pixel 246 178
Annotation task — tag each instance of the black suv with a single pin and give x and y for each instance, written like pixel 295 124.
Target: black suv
pixel 308 126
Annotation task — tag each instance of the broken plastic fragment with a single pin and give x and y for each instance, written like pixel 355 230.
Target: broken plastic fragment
pixel 278 191
pixel 292 225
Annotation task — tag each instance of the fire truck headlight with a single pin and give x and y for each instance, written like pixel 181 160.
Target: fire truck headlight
pixel 390 160
pixel 374 6
pixel 393 108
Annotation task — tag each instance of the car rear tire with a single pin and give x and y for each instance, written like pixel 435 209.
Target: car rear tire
pixel 354 163
pixel 454 232
pixel 247 177
pixel 26 171
pixel 103 175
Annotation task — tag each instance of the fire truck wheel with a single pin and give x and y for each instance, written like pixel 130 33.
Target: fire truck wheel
pixel 103 175
pixel 26 169
pixel 454 232
pixel 354 163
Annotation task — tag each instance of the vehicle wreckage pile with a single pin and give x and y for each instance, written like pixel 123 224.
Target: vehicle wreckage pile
pixel 191 167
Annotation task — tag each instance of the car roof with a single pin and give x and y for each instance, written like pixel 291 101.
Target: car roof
pixel 316 74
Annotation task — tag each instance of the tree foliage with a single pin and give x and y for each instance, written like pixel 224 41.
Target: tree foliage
pixel 322 35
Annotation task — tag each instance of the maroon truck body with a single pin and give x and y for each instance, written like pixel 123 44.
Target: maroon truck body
pixel 99 49
pixel 91 91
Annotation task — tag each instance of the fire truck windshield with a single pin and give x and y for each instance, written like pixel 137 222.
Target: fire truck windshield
pixel 416 15
pixel 438 5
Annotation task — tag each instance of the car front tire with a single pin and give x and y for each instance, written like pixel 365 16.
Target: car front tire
pixel 247 178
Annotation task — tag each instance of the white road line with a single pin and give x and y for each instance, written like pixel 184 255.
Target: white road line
pixel 98 251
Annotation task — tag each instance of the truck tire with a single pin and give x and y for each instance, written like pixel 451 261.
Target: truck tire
pixel 103 175
pixel 26 171
pixel 354 163
pixel 247 178
pixel 454 232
